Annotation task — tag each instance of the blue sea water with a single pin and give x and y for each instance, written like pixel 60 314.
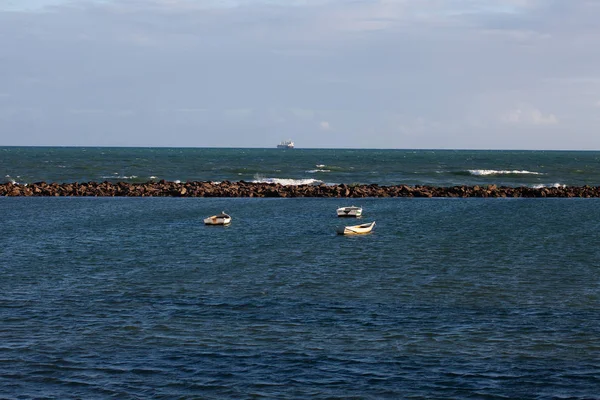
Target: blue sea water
pixel 134 298
pixel 301 166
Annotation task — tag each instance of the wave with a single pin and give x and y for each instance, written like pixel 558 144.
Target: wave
pixel 13 180
pixel 326 168
pixel 124 177
pixel 554 185
pixel 287 181
pixel 314 171
pixel 485 172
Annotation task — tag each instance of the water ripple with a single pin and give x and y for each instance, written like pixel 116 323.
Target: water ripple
pixel 161 308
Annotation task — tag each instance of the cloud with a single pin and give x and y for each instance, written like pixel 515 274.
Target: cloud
pixel 530 116
pixel 446 67
pixel 539 118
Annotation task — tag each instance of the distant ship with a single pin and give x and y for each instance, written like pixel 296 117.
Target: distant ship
pixel 286 144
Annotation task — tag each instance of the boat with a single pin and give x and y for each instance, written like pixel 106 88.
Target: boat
pixel 351 211
pixel 356 229
pixel 219 219
pixel 286 144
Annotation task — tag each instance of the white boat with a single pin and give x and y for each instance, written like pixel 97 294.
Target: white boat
pixel 219 219
pixel 356 229
pixel 286 144
pixel 351 211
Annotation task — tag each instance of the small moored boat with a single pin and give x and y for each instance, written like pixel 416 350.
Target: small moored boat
pixel 219 219
pixel 356 229
pixel 351 211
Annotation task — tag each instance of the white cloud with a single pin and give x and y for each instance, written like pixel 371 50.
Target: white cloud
pixel 539 118
pixel 261 68
pixel 529 116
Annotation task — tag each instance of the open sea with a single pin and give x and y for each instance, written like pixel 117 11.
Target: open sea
pixel 448 298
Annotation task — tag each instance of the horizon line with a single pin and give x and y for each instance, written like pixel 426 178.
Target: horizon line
pixel 293 149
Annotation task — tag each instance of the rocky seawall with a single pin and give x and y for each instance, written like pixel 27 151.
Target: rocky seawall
pixel 248 189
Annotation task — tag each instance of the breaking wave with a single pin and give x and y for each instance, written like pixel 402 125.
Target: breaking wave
pixel 486 172
pixel 554 185
pixel 287 182
pixel 325 168
pixel 117 176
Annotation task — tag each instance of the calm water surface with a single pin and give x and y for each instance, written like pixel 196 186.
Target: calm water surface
pixel 448 298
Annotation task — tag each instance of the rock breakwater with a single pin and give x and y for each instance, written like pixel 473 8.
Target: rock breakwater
pixel 249 189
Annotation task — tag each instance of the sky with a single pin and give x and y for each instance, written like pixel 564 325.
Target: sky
pixel 406 74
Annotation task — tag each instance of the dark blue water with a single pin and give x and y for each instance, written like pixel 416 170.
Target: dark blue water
pixel 134 298
pixel 301 166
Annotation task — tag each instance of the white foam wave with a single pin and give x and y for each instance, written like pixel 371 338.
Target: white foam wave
pixel 314 171
pixel 482 172
pixel 288 182
pixel 119 177
pixel 554 185
pixel 320 165
pixel 11 180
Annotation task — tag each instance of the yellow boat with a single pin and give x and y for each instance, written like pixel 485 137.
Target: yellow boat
pixel 356 229
pixel 219 219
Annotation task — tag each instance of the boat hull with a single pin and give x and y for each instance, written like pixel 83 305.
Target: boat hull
pixel 221 219
pixel 217 221
pixel 349 212
pixel 356 229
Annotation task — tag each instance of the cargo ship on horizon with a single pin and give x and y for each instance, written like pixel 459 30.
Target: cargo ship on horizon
pixel 286 144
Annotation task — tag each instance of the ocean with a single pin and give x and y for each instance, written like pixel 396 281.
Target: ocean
pixel 301 166
pixel 448 298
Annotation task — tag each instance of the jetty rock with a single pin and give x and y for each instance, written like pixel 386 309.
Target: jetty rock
pixel 250 189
